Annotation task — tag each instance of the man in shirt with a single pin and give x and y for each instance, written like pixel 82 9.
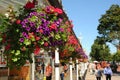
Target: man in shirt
pixel 108 72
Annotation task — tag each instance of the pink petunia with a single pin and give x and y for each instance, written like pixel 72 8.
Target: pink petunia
pixel 58 10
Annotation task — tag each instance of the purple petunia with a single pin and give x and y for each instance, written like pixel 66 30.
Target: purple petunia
pixel 25 34
pixel 61 29
pixel 33 14
pixel 41 14
pixel 32 24
pixel 27 28
pixel 21 40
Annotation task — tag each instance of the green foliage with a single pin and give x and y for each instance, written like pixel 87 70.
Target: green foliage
pixel 100 51
pixel 3 23
pixel 109 25
pixel 116 56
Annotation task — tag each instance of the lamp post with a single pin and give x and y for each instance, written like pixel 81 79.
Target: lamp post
pixel 70 63
pixel 57 64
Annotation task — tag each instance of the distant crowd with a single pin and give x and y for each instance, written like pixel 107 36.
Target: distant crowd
pixel 103 68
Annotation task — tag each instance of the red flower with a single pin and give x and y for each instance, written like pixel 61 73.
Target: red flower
pixel 50 9
pixel 7 47
pixel 69 29
pixel 41 31
pixel 37 50
pixel 53 26
pixel 72 40
pixel 46 44
pixel 18 21
pixel 58 10
pixel 37 38
pixel 29 5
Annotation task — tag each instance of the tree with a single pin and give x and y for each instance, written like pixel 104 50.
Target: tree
pixel 116 56
pixel 100 51
pixel 109 26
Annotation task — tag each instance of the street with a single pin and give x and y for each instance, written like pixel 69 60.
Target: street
pixel 116 76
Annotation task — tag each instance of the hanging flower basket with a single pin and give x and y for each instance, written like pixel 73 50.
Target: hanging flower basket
pixel 32 29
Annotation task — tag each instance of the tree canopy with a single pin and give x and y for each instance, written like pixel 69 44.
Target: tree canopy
pixel 109 26
pixel 116 56
pixel 100 51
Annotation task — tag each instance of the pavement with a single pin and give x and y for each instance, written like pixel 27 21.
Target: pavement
pixel 89 76
pixel 67 76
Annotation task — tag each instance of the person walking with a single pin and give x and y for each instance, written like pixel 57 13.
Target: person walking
pixel 98 73
pixel 61 72
pixel 43 67
pixel 62 75
pixel 108 72
pixel 80 75
pixel 65 69
pixel 48 72
pixel 38 72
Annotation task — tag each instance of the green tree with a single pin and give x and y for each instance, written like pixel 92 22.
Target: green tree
pixel 109 26
pixel 100 51
pixel 116 56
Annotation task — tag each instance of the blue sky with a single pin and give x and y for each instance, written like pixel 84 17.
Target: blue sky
pixel 85 15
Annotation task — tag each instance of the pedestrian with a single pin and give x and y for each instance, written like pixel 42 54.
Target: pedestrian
pixel 38 68
pixel 38 72
pixel 80 75
pixel 108 72
pixel 61 72
pixel 48 72
pixel 43 67
pixel 65 70
pixel 62 75
pixel 98 73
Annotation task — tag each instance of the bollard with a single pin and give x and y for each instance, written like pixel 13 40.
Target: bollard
pixel 57 73
pixel 70 63
pixel 77 68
